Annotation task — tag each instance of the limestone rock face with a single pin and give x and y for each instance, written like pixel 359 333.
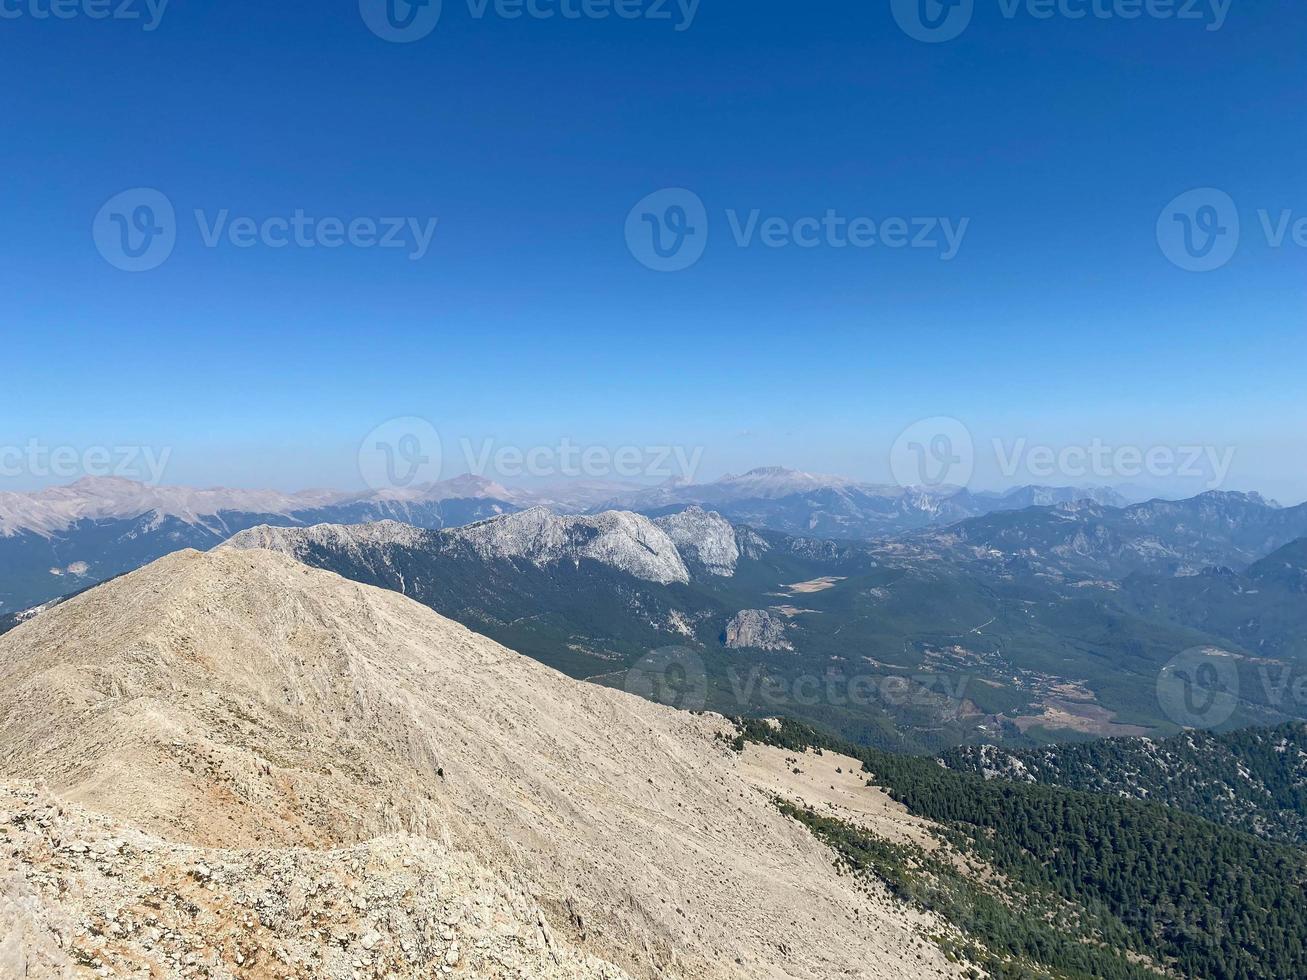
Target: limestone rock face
pixel 704 537
pixel 235 757
pixel 627 542
pixel 757 629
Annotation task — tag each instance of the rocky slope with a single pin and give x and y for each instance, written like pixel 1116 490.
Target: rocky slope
pixel 627 542
pixel 704 537
pixel 756 629
pixel 257 768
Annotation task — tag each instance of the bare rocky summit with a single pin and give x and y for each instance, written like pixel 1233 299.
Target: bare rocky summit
pixel 757 629
pixel 705 537
pixel 628 542
pixel 654 551
pixel 232 765
pixel 352 539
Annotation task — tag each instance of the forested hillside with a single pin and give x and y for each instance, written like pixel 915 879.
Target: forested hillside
pixel 1194 896
pixel 1253 780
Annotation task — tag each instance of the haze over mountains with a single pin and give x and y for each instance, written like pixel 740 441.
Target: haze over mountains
pixel 113 498
pixel 822 506
pixel 1017 625
pixel 57 540
pixel 916 642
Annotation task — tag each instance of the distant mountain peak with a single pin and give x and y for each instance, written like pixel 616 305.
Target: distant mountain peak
pixel 629 542
pixel 704 536
pixel 351 538
pixel 57 508
pixel 1240 496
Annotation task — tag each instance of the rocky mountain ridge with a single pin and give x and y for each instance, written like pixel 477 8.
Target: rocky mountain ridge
pixel 57 540
pixel 1171 537
pixel 273 761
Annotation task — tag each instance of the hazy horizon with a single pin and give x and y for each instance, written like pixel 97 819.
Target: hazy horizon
pixel 893 231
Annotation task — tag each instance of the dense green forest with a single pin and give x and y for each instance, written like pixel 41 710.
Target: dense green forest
pixel 1253 780
pixel 1010 930
pixel 1202 899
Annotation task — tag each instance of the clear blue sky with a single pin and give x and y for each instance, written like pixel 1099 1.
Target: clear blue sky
pixel 528 321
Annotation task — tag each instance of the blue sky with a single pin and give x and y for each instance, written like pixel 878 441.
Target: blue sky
pixel 1059 320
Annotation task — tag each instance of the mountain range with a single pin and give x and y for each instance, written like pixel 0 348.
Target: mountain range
pixel 1048 622
pixel 889 642
pixel 60 539
pixel 833 507
pixel 233 764
pixel 1085 539
pixel 230 764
